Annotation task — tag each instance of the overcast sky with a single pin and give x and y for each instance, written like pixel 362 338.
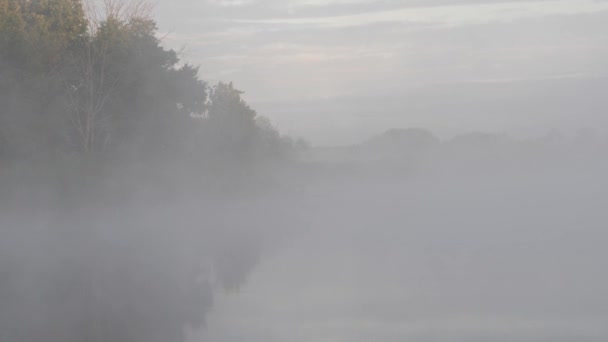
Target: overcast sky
pixel 337 71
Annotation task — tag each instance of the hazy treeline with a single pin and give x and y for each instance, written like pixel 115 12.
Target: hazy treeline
pixel 118 172
pixel 78 82
pixel 399 153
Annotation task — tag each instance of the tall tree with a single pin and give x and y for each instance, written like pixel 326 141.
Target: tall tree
pixel 82 88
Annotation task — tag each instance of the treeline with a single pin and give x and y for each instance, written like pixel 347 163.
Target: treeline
pixel 115 160
pixel 404 154
pixel 97 84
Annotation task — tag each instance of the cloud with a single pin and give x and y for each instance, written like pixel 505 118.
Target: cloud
pixel 390 47
pixel 230 3
pixel 446 15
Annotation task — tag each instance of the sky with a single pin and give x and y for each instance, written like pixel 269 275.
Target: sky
pixel 339 71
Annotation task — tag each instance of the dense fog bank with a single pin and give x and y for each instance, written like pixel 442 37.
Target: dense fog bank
pixel 466 246
pixel 141 202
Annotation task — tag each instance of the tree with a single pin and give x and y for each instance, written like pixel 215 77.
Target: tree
pixel 38 39
pixel 238 131
pixel 231 119
pixel 92 103
pixel 12 30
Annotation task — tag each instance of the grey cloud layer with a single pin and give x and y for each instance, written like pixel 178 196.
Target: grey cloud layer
pixel 315 50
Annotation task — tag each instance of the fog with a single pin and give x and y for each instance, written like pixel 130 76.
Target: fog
pixel 476 250
pixel 339 196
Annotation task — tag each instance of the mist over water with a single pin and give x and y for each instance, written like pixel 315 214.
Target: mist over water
pixel 469 252
pixel 144 200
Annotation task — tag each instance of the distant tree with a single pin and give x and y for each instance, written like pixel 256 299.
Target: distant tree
pixel 410 139
pixel 231 121
pixel 236 129
pixel 269 142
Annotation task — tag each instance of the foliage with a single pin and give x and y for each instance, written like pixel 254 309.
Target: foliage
pixel 91 109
